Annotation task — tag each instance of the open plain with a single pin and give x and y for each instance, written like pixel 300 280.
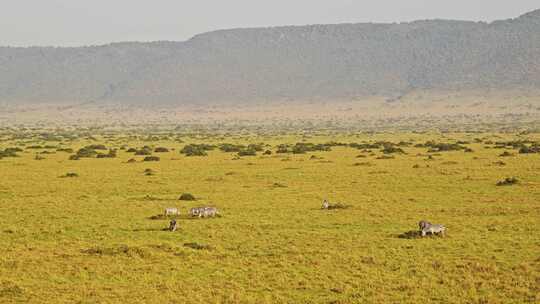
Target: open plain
pixel 82 222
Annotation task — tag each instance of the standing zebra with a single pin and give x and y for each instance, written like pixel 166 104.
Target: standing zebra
pixel 423 225
pixel 325 204
pixel 173 225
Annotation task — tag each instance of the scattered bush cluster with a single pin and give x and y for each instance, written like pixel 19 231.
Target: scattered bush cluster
pixel 90 152
pixel 242 150
pixel 441 147
pixel 302 148
pixel 151 158
pixel 144 151
pixel 9 152
pixel 197 149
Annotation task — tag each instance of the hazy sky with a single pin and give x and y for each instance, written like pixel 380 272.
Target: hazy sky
pixel 85 22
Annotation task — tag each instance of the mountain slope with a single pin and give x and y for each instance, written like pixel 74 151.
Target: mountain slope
pixel 316 62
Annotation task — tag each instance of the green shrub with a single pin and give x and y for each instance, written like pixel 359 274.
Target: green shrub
pixel 161 150
pixel 70 174
pixel 8 152
pixel 67 150
pixel 531 149
pixel 247 152
pixel 187 197
pixel 392 149
pixel 231 147
pixel 506 154
pixel 97 147
pixel 111 154
pixel 144 151
pixel 151 158
pixel 196 150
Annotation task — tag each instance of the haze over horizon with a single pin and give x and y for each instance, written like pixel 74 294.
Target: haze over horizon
pixel 74 23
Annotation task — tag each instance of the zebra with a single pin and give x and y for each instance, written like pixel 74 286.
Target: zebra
pixel 173 225
pixel 423 224
pixel 434 229
pixel 196 211
pixel 325 204
pixel 171 211
pixel 208 211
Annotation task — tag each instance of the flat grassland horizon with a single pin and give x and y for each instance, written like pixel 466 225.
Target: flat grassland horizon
pixel 82 221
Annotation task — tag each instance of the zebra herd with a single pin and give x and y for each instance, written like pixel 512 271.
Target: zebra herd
pixel 194 212
pixel 424 227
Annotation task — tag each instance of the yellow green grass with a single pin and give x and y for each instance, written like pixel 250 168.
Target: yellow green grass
pixel 90 239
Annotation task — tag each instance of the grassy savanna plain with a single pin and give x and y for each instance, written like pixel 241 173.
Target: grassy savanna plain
pixel 91 239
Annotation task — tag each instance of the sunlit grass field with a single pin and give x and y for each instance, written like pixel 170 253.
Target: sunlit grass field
pixel 91 239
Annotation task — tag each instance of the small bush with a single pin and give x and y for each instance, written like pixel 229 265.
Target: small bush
pixel 111 154
pixel 267 152
pixel 392 149
pixel 39 157
pixel 196 150
pixel 338 206
pixel 96 147
pixel 506 154
pixel 247 152
pixel 70 174
pixel 67 150
pixel 363 164
pixel 187 197
pixel 144 151
pixel 8 152
pixel 528 150
pixel 161 150
pixel 231 147
pixel 149 172
pixel 151 158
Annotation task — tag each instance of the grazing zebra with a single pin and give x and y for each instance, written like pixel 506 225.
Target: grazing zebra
pixel 208 211
pixel 171 211
pixel 173 225
pixel 434 229
pixel 196 211
pixel 325 204
pixel 423 224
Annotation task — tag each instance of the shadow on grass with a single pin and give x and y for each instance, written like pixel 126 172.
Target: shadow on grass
pixel 198 246
pixel 180 217
pixel 415 234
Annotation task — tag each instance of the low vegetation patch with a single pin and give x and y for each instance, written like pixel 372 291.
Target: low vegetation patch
pixel 196 150
pixel 198 246
pixel 70 174
pixel 131 251
pixel 151 158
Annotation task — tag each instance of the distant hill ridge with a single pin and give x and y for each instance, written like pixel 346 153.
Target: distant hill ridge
pixel 314 62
